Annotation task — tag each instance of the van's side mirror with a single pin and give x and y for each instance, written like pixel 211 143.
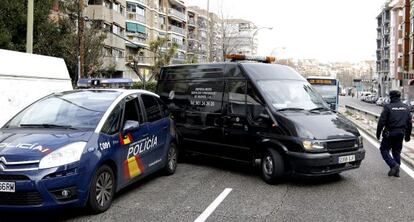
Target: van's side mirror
pixel 131 125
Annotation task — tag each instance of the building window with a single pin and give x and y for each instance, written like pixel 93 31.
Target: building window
pixel 141 11
pixel 95 2
pixel 107 4
pixel 136 28
pixel 131 7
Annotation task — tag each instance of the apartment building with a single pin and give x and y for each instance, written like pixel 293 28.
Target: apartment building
pixel 131 25
pixel 197 32
pixel 383 50
pixel 396 43
pixel 146 20
pixel 216 38
pixel 239 37
pixel 110 16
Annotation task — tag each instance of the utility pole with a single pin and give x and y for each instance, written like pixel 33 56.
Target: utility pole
pixel 29 33
pixel 81 28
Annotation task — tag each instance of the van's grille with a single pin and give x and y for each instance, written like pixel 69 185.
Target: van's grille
pixel 342 145
pixel 21 198
pixel 13 177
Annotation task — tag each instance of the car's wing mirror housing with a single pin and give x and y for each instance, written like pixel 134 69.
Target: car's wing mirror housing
pixel 131 125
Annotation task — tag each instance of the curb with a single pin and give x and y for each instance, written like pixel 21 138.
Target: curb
pixel 403 155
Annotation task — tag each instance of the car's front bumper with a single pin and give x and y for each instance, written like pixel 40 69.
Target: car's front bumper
pixel 316 164
pixel 42 189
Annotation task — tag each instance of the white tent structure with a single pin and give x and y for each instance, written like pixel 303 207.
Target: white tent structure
pixel 25 78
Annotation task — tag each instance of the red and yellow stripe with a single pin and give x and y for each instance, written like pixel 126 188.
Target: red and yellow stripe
pixel 133 167
pixel 126 139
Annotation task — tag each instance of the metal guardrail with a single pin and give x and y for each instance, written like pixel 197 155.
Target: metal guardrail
pixel 370 116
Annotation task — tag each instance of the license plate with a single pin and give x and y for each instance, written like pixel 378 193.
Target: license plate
pixel 9 187
pixel 346 159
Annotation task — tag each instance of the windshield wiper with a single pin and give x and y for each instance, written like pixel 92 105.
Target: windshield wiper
pixel 320 109
pixel 291 109
pixel 46 125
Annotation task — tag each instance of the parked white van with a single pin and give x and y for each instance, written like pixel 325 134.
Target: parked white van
pixel 25 78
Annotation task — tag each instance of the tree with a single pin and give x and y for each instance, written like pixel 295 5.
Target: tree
pixel 162 55
pixel 53 36
pixel 13 17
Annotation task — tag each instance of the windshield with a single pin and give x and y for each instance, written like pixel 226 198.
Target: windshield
pixel 285 94
pixel 78 109
pixel 326 90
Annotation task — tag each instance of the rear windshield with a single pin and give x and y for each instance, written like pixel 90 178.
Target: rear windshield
pixel 76 109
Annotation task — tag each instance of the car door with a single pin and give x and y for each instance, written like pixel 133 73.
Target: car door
pixel 132 151
pixel 158 125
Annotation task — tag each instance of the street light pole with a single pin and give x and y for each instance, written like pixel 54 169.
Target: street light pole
pixel 254 34
pixel 29 33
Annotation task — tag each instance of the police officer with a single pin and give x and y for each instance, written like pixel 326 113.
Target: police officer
pixel 395 125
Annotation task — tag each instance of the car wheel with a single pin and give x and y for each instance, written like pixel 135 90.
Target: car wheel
pixel 102 189
pixel 272 167
pixel 172 157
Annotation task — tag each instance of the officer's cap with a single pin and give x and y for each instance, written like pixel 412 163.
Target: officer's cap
pixel 395 94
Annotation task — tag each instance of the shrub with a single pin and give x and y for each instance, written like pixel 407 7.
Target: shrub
pixel 150 86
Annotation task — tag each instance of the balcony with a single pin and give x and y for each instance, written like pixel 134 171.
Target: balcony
pixel 192 36
pixel 177 14
pixel 138 40
pixel 176 29
pixel 182 47
pixel 114 41
pixel 141 60
pixel 143 2
pixel 191 22
pixel 137 17
pixel 100 12
pixel 114 62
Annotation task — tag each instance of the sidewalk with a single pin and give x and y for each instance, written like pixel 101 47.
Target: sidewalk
pixel 370 127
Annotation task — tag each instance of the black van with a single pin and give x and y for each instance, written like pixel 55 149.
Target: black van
pixel 259 113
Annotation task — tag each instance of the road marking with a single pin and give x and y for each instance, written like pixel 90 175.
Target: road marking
pixel 210 209
pixel 376 144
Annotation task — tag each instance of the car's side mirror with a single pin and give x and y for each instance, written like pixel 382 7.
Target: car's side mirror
pixel 131 125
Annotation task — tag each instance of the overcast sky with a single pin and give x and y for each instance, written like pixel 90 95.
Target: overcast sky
pixel 330 30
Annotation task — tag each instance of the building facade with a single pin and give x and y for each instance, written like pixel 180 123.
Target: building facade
pixel 383 50
pixel 396 43
pixel 131 25
pixel 109 15
pixel 239 37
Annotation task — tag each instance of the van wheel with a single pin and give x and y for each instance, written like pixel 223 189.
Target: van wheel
pixel 172 157
pixel 272 167
pixel 102 190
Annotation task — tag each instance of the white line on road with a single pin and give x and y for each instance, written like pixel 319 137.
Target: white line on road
pixel 210 209
pixel 376 144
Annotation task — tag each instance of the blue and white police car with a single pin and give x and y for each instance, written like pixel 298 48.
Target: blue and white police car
pixel 80 147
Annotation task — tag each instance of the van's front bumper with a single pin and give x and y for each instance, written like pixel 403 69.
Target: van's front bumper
pixel 317 164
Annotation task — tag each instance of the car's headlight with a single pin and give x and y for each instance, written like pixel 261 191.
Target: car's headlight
pixel 313 145
pixel 360 141
pixel 65 155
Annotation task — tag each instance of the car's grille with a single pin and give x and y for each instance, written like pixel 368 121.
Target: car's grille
pixel 13 178
pixel 342 145
pixel 21 198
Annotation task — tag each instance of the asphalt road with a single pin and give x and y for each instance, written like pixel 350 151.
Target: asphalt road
pixel 348 100
pixel 365 194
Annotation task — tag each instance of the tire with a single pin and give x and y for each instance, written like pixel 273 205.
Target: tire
pixel 272 167
pixel 172 160
pixel 100 199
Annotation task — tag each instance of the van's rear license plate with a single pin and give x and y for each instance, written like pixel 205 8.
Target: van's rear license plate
pixel 9 187
pixel 346 159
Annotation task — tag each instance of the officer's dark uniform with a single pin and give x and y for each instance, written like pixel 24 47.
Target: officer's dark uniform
pixel 395 124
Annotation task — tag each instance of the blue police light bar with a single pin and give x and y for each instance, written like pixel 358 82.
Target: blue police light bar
pixel 105 83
